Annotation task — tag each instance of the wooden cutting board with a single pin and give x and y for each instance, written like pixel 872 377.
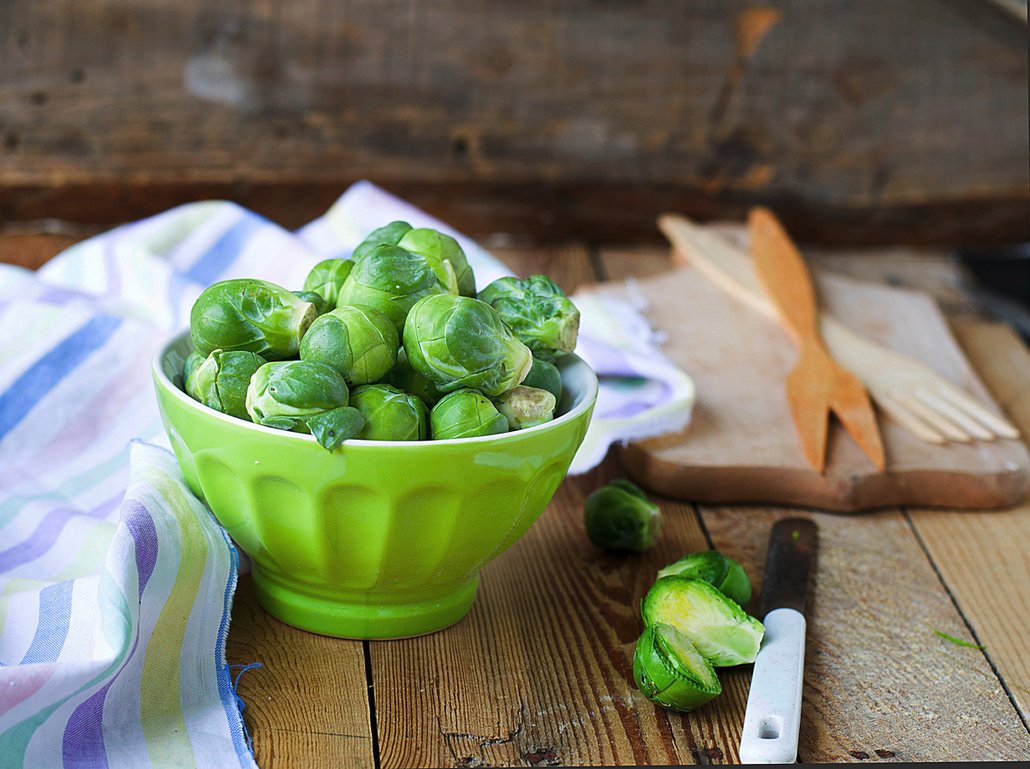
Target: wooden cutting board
pixel 741 445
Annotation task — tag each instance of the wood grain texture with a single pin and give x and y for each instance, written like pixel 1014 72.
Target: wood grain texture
pixel 878 681
pixel 984 556
pixel 741 445
pixel 854 121
pixel 308 704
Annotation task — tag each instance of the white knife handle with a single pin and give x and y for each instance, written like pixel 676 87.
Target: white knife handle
pixel 773 715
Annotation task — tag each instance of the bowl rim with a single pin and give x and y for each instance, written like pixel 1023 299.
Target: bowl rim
pixel 157 369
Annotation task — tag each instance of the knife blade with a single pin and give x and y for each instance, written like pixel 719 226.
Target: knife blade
pixel 772 718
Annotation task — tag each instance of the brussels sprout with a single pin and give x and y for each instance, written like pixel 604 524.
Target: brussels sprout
pixel 671 672
pixel 439 248
pixel 327 277
pixel 251 315
pixel 538 311
pixel 389 234
pixel 306 397
pixel 391 279
pixel 193 360
pixel 405 378
pixel 465 414
pixel 221 380
pixel 716 625
pixel 390 415
pixel 525 407
pixel 620 517
pixel 546 376
pixel 321 305
pixel 359 342
pixel 460 342
pixel 724 574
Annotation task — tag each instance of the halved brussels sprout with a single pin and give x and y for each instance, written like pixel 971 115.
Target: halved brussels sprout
pixel 390 415
pixel 327 277
pixel 389 234
pixel 359 342
pixel 321 305
pixel 671 672
pixel 252 315
pixel 546 376
pixel 221 380
pixel 716 625
pixel 405 378
pixel 437 247
pixel 538 311
pixel 620 517
pixel 460 342
pixel 526 407
pixel 391 279
pixel 723 573
pixel 306 397
pixel 465 414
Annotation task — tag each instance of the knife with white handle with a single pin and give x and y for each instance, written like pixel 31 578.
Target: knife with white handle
pixel 772 719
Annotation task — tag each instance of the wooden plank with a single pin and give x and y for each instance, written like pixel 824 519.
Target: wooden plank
pixel 570 118
pixel 878 681
pixel 983 557
pixel 308 703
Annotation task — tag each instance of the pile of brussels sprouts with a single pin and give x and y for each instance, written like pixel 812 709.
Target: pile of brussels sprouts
pixel 392 344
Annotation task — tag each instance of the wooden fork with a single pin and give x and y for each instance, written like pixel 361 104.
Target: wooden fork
pixel 916 397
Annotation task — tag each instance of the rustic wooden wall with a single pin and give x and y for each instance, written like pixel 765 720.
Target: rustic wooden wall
pixel 860 122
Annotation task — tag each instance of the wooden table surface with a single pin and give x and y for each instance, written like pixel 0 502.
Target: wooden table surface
pixel 539 672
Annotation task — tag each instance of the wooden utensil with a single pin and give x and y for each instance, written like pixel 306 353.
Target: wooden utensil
pixel 913 395
pixel 817 384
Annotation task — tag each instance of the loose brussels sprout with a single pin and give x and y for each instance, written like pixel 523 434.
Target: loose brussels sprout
pixel 716 625
pixel 405 378
pixel 389 234
pixel 538 311
pixel 359 342
pixel 390 415
pixel 251 315
pixel 439 248
pixel 193 360
pixel 306 397
pixel 526 406
pixel 671 672
pixel 391 279
pixel 327 277
pixel 619 517
pixel 460 342
pixel 546 376
pixel 321 305
pixel 465 414
pixel 221 380
pixel 724 574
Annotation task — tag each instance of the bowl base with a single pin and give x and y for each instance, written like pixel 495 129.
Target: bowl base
pixel 368 619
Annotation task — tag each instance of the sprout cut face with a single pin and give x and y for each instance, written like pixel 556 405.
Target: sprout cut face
pixel 251 315
pixel 306 397
pixel 390 415
pixel 321 305
pixel 390 279
pixel 723 573
pixel 671 672
pixel 459 342
pixel 715 624
pixel 359 342
pixel 538 311
pixel 526 407
pixel 619 517
pixel 546 376
pixel 465 414
pixel 220 381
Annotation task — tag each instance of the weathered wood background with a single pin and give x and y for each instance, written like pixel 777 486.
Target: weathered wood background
pixel 859 122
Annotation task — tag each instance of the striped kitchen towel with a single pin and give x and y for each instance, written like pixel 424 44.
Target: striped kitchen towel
pixel 115 581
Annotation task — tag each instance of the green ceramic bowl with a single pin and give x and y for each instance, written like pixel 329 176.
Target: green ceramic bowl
pixel 377 539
